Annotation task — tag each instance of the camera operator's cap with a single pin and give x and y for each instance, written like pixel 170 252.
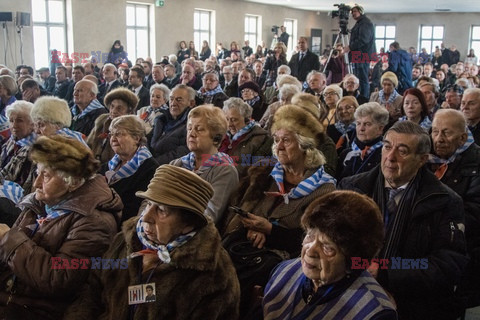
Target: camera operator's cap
pixel 359 8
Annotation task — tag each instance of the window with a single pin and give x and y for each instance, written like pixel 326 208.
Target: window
pixel 475 39
pixel 252 24
pixel 138 31
pixel 384 35
pixel 49 30
pixel 202 29
pixel 430 37
pixel 291 28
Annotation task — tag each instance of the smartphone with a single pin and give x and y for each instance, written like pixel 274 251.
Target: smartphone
pixel 239 211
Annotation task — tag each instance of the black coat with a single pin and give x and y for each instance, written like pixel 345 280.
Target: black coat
pixel 61 89
pixel 170 83
pixel 432 232
pixel 333 133
pixel 300 69
pixel 205 55
pixel 49 84
pixel 217 99
pixel 143 98
pixel 102 90
pixel 231 90
pixel 356 165
pixel 362 37
pixel 86 123
pixel 476 133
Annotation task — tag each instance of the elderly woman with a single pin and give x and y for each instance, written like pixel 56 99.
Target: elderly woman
pixel 245 139
pixel 331 95
pixel 366 149
pixel 184 261
pixel 206 128
pixel 350 86
pixel 159 95
pixel 415 108
pixel 8 89
pixel 388 96
pixel 252 95
pixel 325 282
pixel 343 131
pixel 132 166
pixel 71 217
pixel 119 102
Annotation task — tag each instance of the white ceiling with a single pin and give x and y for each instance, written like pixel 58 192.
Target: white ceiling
pixel 383 6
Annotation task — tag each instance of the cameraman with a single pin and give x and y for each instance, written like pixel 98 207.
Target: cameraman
pixel 275 58
pixel 362 40
pixel 283 36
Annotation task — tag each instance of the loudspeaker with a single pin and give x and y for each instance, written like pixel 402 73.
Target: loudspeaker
pixel 23 19
pixel 6 16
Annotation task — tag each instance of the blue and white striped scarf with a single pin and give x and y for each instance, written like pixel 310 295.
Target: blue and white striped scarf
pixel 12 191
pixel 356 151
pixel 27 141
pixel 52 213
pixel 95 104
pixel 149 110
pixel 163 251
pixel 252 102
pixel 435 159
pixel 340 126
pixel 72 134
pixel 242 131
pixel 391 99
pixel 217 159
pixel 426 123
pixel 129 168
pixel 304 188
pixel 218 89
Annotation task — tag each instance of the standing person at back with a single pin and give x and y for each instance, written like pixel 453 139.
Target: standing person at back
pixel 304 61
pixel 399 62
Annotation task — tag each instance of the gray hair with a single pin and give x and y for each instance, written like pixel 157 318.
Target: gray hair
pixel 353 77
pixel 378 113
pixel 287 69
pixel 313 73
pixel 238 104
pixel 424 145
pixel 457 115
pixel 313 156
pixel 161 87
pixel 475 91
pixel 172 58
pixel 110 65
pixel 133 125
pixel 287 91
pixel 93 86
pixel 190 90
pixel 20 106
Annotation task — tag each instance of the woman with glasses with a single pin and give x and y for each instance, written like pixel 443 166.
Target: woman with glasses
pixel 252 95
pixel 132 166
pixel 331 95
pixel 343 131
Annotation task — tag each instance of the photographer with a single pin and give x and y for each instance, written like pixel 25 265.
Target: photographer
pixel 362 39
pixel 275 58
pixel 336 66
pixel 283 36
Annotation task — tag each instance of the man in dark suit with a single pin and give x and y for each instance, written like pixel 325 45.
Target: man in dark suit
pixel 62 84
pixel 231 85
pixel 304 61
pixel 148 79
pixel 135 79
pixel 48 80
pixel 77 74
pixel 110 75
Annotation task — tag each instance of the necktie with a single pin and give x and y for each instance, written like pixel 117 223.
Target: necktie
pixel 392 206
pixel 301 56
pixel 441 171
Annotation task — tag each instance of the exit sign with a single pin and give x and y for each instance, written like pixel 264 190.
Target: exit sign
pixel 159 3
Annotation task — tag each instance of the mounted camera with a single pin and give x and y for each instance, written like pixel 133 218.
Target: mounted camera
pixel 275 29
pixel 343 14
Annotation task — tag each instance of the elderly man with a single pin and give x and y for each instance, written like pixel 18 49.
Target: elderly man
pixel 62 84
pixel 135 80
pixel 86 108
pixel 110 74
pixel 78 73
pixel 189 78
pixel 211 92
pixel 423 220
pixel 304 61
pixel 48 79
pixel 171 78
pixel 455 161
pixel 350 88
pixel 231 85
pixel 158 75
pixel 430 92
pixel 316 82
pixel 453 97
pixel 470 107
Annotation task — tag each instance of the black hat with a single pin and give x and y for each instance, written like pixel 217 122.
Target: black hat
pixel 249 85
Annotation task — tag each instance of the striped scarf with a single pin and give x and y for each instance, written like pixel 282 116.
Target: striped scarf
pixel 145 116
pixel 391 99
pixel 435 159
pixel 340 126
pixel 356 151
pixel 426 123
pixel 95 104
pixel 73 134
pixel 252 102
pixel 52 213
pixel 218 89
pixel 127 169
pixel 242 131
pixel 163 251
pixel 217 159
pixel 12 191
pixel 27 141
pixel 304 188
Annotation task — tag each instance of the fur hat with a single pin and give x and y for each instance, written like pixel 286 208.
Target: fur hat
pixel 122 94
pixel 309 102
pixel 52 110
pixel 180 188
pixel 298 120
pixel 65 154
pixel 249 85
pixel 390 76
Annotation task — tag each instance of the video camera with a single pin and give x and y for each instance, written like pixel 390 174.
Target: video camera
pixel 275 29
pixel 343 14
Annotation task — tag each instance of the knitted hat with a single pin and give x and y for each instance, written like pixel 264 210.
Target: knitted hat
pixel 65 154
pixel 177 187
pixel 390 76
pixel 52 110
pixel 250 85
pixel 298 120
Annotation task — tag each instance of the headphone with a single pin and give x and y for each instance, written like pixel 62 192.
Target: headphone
pixel 217 138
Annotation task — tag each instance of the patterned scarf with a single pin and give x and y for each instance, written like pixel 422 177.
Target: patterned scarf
pixel 145 116
pixel 127 169
pixel 252 102
pixel 392 97
pixel 27 141
pixel 356 151
pixel 435 159
pixel 340 126
pixel 163 251
pixel 12 191
pixel 52 213
pixel 217 159
pixel 304 188
pixel 73 134
pixel 426 123
pixel 218 89
pixel 242 131
pixel 95 104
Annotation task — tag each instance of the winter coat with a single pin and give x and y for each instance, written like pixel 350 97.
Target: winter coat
pixel 26 251
pixel 400 63
pixel 432 232
pixel 99 141
pixel 362 37
pixel 199 283
pixel 86 123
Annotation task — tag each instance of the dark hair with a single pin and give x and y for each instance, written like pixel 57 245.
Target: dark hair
pixel 29 69
pixel 424 144
pixel 454 88
pixel 139 71
pixel 395 45
pixel 79 67
pixel 148 62
pixel 417 93
pixel 28 84
pixel 149 287
pixel 351 220
pixel 113 46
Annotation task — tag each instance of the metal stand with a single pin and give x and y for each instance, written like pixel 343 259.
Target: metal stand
pixel 20 29
pixel 345 41
pixel 5 41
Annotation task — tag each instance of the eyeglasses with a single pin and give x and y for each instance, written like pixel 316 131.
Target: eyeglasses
pixel 345 108
pixel 117 134
pixel 286 140
pixel 328 94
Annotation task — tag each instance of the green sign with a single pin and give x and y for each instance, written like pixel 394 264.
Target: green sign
pixel 159 3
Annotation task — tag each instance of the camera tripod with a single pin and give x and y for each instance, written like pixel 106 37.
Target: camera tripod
pixel 344 41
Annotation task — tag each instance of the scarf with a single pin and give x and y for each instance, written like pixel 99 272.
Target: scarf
pixel 242 131
pixel 27 141
pixel 163 251
pixel 95 104
pixel 252 102
pixel 218 89
pixel 304 188
pixel 217 159
pixel 426 123
pixel 12 191
pixel 340 126
pixel 127 169
pixel 392 98
pixel 145 116
pixel 73 134
pixel 52 213
pixel 357 152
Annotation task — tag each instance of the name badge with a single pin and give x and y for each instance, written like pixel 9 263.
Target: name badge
pixel 142 293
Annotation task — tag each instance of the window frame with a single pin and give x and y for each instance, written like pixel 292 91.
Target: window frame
pixel 433 41
pixel 198 39
pixel 386 40
pixel 133 56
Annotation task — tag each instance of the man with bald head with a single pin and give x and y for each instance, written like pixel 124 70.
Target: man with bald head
pixel 304 61
pixel 456 162
pixel 86 108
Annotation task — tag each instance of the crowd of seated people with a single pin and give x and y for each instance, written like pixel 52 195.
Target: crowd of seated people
pixel 149 157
